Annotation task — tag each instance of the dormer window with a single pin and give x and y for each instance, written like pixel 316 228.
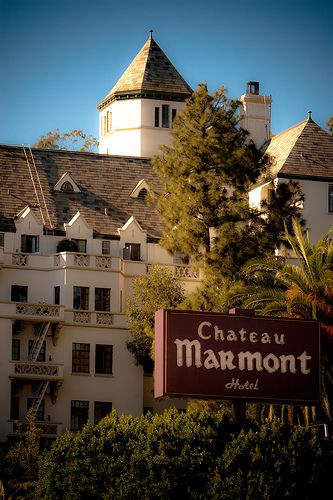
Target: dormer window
pixel 132 251
pixel 141 190
pixel 67 187
pixel 66 184
pixel 29 243
pixel 142 193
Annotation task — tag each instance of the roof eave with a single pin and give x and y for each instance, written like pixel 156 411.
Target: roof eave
pixel 161 95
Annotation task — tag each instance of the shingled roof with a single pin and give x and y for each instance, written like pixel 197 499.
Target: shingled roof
pixel 151 75
pixel 105 183
pixel 304 151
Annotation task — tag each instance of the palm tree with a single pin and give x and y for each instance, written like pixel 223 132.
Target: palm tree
pixel 304 290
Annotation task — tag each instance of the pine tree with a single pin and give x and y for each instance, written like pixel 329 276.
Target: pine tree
pixel 207 172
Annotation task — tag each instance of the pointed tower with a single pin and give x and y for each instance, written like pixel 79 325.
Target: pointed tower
pixel 255 114
pixel 137 114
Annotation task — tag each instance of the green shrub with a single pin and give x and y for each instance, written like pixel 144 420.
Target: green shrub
pixel 191 455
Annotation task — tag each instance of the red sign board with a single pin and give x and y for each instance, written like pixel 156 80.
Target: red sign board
pixel 212 355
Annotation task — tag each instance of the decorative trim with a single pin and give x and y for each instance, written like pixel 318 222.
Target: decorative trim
pixel 146 94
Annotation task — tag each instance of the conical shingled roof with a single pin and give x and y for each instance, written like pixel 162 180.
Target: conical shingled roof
pixel 151 75
pixel 304 151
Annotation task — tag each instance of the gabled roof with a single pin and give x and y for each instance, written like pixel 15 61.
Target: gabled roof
pixel 151 75
pixel 104 201
pixel 304 151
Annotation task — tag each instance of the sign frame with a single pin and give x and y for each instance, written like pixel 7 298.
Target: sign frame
pixel 259 358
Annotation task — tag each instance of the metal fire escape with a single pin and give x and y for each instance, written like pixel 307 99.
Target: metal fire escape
pixel 33 355
pixel 43 327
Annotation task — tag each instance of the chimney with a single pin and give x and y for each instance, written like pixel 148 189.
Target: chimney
pixel 255 114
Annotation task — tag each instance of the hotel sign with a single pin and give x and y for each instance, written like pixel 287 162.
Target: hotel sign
pixel 211 355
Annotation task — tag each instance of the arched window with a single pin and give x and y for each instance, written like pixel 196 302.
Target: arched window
pixel 67 187
pixel 142 193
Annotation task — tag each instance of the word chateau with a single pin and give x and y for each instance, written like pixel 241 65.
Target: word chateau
pixel 241 335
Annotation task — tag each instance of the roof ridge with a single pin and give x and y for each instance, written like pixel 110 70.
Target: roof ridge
pixel 303 122
pixel 150 74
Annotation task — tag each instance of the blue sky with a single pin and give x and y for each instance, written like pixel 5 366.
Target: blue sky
pixel 61 57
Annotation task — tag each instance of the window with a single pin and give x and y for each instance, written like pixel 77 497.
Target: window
pixel 102 299
pixel 81 297
pixel 29 243
pixel 142 194
pixel 165 116
pixel 106 247
pixel 67 187
pixel 173 114
pixel 103 125
pixel 270 195
pixel 121 300
pixel 41 354
pixel 19 293
pixel 108 121
pixel 157 117
pixel 330 198
pixel 56 293
pixel 80 358
pixel 180 258
pixel 2 239
pixel 15 350
pixel 132 251
pixel 40 412
pixel 81 245
pixel 103 359
pixel 15 408
pixel 101 409
pixel 79 414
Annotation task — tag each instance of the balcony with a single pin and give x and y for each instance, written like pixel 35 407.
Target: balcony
pixel 48 429
pixel 95 318
pixel 33 370
pixel 182 271
pixel 59 260
pixel 38 312
pixel 85 261
pixel 32 312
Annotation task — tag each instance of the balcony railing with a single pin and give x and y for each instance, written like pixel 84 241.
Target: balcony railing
pixel 46 311
pixel 34 313
pixel 91 261
pixel 182 271
pixel 20 259
pixel 82 260
pixel 32 370
pixel 95 318
pixel 62 259
pixel 48 429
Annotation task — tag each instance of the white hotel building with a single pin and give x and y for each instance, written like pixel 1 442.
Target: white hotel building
pixel 63 326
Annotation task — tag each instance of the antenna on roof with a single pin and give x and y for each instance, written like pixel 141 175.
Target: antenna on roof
pixel 309 115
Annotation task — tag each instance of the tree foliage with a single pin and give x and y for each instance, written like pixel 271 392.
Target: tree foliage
pixel 207 172
pixel 304 290
pixel 159 289
pixel 20 461
pixel 73 140
pixel 185 455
